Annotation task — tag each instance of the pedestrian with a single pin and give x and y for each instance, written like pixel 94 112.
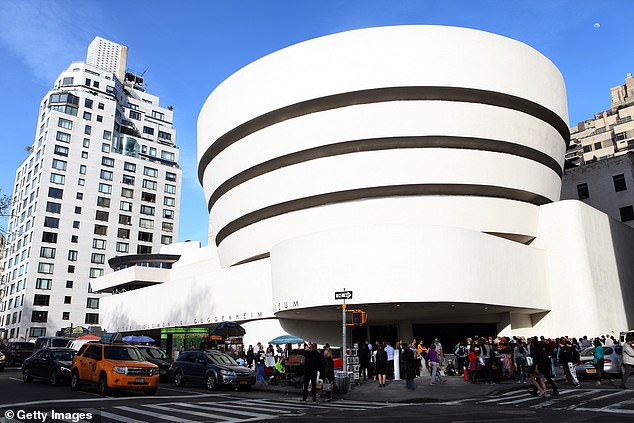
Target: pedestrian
pixel 250 357
pixel 569 357
pixel 519 356
pixel 598 361
pixel 328 372
pixel 533 366
pixel 390 360
pixel 409 364
pixel 381 366
pixel 364 361
pixel 628 360
pixel 433 356
pixel 461 353
pixel 312 364
pixel 441 353
pixel 473 364
pixel 486 353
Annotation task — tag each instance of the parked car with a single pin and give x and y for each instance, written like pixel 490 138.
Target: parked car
pixel 212 369
pixel 613 358
pixel 159 357
pixel 52 341
pixel 113 366
pixel 52 364
pixel 3 359
pixel 17 352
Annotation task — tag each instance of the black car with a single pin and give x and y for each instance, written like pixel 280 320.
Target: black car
pixel 3 359
pixel 157 356
pixel 52 364
pixel 17 352
pixel 212 369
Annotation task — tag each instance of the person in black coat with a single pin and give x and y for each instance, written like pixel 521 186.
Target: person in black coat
pixel 409 362
pixel 312 364
pixel 327 370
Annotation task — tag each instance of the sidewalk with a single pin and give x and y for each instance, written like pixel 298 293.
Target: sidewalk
pixel 455 388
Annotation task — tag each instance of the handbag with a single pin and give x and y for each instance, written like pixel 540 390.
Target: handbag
pixel 327 386
pixel 529 360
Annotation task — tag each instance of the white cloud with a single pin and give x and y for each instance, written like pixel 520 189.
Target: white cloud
pixel 48 35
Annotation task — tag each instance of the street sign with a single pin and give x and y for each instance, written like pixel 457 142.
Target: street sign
pixel 343 295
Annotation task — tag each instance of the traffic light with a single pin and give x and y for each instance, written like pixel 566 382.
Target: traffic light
pixel 359 318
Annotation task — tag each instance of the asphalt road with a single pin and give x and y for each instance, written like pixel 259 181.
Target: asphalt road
pixel 196 404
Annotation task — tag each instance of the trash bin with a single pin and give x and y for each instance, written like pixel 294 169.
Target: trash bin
pixel 342 383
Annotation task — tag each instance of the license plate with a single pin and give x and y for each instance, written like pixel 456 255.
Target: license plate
pixel 139 380
pixel 591 370
pixel 244 382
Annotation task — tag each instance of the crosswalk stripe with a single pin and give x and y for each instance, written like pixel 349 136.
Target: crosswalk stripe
pixel 248 406
pixel 555 399
pixel 276 404
pixel 222 410
pixel 118 417
pixel 520 395
pixel 167 417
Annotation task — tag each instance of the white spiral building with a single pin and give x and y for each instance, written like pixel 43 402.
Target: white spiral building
pixel 419 167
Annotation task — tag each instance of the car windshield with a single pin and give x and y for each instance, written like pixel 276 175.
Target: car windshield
pixel 122 353
pixel 63 355
pixel 154 353
pixel 589 352
pixel 220 358
pixel 59 342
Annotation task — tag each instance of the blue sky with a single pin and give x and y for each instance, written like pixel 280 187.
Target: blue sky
pixel 189 47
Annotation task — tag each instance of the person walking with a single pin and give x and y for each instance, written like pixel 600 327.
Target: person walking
pixel 519 357
pixel 628 360
pixel 381 366
pixel 598 361
pixel 432 354
pixel 409 361
pixel 569 357
pixel 328 371
pixel 312 364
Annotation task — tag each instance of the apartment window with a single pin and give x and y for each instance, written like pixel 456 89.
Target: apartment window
pixel 146 196
pixel 92 319
pixel 88 102
pixel 86 143
pixel 43 283
pixel 67 81
pixel 165 135
pixel 46 268
pixel 158 115
pixel 69 284
pixel 50 237
pixel 59 164
pixel 166 239
pixel 103 202
pixel 127 192
pixel 55 193
pixel 68 299
pixel 167 155
pixel 168 227
pixel 107 135
pixel 135 115
pixel 95 272
pixel 100 119
pixel 597 146
pixel 102 215
pixel 148 130
pixel 51 222
pixel 147 184
pixel 41 300
pixel 39 316
pixel 169 201
pixel 81 182
pixel 47 252
pixel 77 210
pixel 149 171
pixel 84 154
pixel 60 150
pixel 105 148
pixel 82 169
pixel 74 239
pixel 170 176
pixel 62 136
pixel 95 84
pixel 123 233
pixel 123 247
pixel 65 315
pixel 105 188
pixel 101 230
pixel 65 123
pixel 97 258
pixel 124 219
pixel 619 182
pixel 71 268
pixel 99 244
pixel 582 191
pixel 53 207
pixel 145 236
pixel 125 206
pixel 56 178
pixel 72 255
pixel 146 223
pixel 147 210
pixel 144 249
pixel 100 106
pixel 87 115
pixel 87 129
pixel 170 189
pixel 152 151
pixel 75 224
pixel 129 167
pixel 106 175
pixel 36 332
pixel 107 161
pixel 168 214
pixel 627 213
pixel 92 303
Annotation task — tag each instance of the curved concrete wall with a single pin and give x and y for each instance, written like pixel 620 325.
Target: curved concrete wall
pixel 375 115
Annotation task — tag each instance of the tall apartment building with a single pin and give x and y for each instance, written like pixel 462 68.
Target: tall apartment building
pixel 101 179
pixel 610 133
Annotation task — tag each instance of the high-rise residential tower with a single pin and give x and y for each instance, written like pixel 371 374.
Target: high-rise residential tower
pixel 101 179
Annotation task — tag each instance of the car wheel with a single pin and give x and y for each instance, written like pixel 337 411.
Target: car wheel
pixel 26 375
pixel 102 386
pixel 179 379
pixel 150 391
pixel 211 382
pixel 75 383
pixel 54 378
